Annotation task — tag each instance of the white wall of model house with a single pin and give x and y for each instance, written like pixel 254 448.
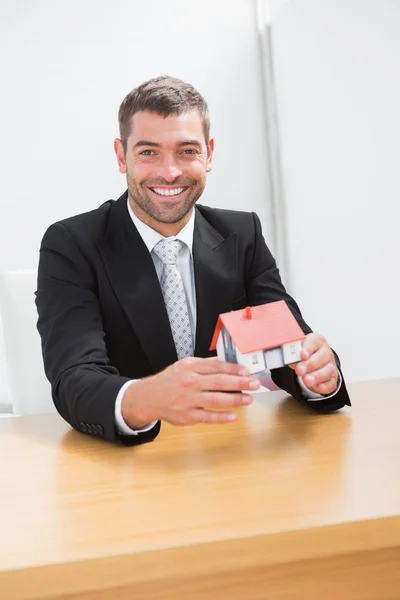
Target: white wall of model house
pixel 261 359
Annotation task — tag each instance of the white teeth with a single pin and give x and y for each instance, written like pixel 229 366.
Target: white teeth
pixel 166 192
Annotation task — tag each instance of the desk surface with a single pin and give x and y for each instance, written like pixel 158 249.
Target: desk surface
pixel 279 468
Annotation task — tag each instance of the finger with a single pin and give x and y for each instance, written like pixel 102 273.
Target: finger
pixel 328 387
pixel 210 417
pixel 319 359
pixel 311 343
pixel 320 376
pixel 223 400
pixel 223 382
pixel 205 366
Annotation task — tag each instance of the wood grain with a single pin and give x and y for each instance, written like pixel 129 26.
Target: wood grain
pixel 282 503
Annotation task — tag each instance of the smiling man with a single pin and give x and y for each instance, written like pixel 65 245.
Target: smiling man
pixel 129 294
pixel 165 158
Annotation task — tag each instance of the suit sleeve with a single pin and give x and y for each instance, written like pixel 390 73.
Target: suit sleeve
pixel 84 384
pixel 264 285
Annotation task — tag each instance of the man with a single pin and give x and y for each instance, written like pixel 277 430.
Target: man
pixel 126 290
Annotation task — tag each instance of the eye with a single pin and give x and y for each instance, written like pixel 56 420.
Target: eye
pixel 147 153
pixel 190 151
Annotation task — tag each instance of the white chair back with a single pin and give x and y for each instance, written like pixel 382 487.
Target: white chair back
pixel 5 399
pixel 30 390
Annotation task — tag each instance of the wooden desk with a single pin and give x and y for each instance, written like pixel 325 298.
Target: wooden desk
pixel 281 504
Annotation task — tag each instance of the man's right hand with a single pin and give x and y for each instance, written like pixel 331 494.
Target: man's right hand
pixel 187 392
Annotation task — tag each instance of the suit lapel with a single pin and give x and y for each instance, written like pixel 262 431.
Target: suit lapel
pixel 215 268
pixel 132 275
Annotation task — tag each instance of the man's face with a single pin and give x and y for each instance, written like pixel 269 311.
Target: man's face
pixel 166 162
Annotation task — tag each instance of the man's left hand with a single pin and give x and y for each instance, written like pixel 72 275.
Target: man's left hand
pixel 318 367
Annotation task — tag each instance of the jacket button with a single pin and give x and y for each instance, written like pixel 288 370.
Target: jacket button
pixel 89 428
pixel 100 429
pixel 82 427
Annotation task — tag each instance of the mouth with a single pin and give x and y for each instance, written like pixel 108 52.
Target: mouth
pixel 168 192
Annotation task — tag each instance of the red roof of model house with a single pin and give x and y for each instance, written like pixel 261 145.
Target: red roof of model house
pixel 259 327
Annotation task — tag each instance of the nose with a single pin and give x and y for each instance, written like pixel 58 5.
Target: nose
pixel 169 170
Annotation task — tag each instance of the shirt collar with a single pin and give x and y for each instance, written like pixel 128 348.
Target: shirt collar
pixel 152 237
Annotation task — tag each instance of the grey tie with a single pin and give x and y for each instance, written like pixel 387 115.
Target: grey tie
pixel 174 296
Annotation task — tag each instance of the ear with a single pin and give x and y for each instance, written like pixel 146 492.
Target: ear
pixel 210 152
pixel 119 151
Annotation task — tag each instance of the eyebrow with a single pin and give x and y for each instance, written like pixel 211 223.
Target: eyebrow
pixel 190 143
pixel 146 143
pixel 155 145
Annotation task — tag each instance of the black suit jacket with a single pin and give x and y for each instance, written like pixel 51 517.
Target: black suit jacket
pixel 102 317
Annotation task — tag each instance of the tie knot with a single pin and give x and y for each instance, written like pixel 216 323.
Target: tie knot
pixel 168 250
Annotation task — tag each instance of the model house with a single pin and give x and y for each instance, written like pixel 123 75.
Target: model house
pixel 259 337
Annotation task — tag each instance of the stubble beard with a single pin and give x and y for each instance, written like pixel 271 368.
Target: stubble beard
pixel 165 213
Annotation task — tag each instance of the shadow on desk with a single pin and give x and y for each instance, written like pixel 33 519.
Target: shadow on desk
pixel 274 463
pixel 276 444
pixel 277 463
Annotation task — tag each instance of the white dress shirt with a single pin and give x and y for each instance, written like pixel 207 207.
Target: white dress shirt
pixel 185 267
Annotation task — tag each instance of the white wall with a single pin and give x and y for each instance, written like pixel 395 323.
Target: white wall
pixel 337 66
pixel 66 66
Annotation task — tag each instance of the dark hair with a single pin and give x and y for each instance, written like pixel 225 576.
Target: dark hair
pixel 164 96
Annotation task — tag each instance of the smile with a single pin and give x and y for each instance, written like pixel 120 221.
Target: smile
pixel 168 191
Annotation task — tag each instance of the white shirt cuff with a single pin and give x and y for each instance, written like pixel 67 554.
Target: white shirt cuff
pixel 312 395
pixel 122 427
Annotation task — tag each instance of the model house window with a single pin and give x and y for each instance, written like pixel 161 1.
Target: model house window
pixel 255 359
